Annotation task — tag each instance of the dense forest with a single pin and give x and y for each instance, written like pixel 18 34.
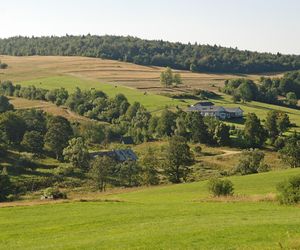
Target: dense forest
pixel 194 57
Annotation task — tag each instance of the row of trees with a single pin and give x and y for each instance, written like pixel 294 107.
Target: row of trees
pixel 267 90
pixel 192 57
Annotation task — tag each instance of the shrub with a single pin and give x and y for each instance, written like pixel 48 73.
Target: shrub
pixel 197 149
pixel 219 187
pixel 251 162
pixel 289 191
pixel 53 193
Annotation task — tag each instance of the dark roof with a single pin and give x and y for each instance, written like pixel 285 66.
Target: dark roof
pixel 118 155
pixel 233 109
pixel 127 140
pixel 204 104
pixel 213 109
pixel 206 108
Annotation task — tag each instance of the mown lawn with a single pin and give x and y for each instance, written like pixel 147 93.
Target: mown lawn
pixel 169 217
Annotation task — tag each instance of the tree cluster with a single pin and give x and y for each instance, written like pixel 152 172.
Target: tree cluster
pixel 192 57
pixel 267 90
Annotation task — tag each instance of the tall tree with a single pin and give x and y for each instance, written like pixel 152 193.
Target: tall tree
pixel 166 123
pixel 12 127
pixel 58 134
pixel 271 125
pixel 101 171
pixel 33 141
pixel 150 164
pixel 77 153
pixel 197 127
pixel 254 132
pixel 178 159
pixel 290 153
pixel 4 104
pixel 222 135
pixel 5 185
pixel 166 77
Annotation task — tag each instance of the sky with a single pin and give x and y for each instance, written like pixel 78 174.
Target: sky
pixel 257 25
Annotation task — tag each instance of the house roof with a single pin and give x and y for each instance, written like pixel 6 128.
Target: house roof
pixel 127 140
pixel 119 155
pixel 206 108
pixel 204 104
pixel 233 109
pixel 214 109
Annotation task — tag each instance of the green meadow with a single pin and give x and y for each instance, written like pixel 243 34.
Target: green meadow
pixel 152 101
pixel 181 216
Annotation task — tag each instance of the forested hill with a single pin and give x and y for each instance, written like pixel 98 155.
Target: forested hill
pixel 202 58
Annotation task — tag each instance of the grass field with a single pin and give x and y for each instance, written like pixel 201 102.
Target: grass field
pixel 171 217
pixel 109 71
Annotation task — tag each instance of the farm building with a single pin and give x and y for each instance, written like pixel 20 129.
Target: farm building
pixel 209 109
pixel 120 155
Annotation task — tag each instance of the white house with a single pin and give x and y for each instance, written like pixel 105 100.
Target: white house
pixel 209 109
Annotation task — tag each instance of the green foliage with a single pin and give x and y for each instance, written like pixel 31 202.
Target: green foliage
pixel 53 193
pixel 197 127
pixel 291 99
pixel 129 174
pixel 33 141
pixel 12 127
pixel 77 153
pixel 92 132
pixel 4 104
pixel 290 153
pixel 271 124
pixel 101 172
pixel 168 78
pixel 251 162
pixel 254 133
pixel 219 187
pixel 150 165
pixel 222 135
pixel 166 123
pixel 6 187
pixel 178 159
pixel 289 191
pixel 58 134
pixel 267 90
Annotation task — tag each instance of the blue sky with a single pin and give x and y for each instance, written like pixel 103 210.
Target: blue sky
pixel 260 25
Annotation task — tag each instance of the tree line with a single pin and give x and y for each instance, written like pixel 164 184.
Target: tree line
pixel 266 90
pixel 194 57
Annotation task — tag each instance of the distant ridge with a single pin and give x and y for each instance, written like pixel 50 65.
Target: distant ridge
pixel 202 58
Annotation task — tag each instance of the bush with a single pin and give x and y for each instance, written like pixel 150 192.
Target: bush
pixel 289 191
pixel 251 162
pixel 53 193
pixel 219 187
pixel 197 149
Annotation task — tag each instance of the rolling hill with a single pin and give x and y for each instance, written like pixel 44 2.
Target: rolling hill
pixel 180 216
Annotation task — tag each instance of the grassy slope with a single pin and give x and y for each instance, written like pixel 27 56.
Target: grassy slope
pixel 159 218
pixel 152 101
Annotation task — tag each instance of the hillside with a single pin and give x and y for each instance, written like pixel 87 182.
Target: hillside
pixel 174 216
pixel 138 83
pixel 201 58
